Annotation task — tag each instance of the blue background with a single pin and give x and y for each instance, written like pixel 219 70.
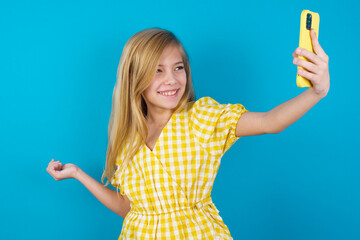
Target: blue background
pixel 58 63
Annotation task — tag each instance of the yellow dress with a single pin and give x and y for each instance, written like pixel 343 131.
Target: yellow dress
pixel 169 188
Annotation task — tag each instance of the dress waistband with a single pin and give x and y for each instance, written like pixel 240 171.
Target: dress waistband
pixel 199 205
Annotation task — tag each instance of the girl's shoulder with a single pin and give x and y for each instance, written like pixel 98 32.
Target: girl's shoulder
pixel 201 102
pixel 204 104
pixel 208 109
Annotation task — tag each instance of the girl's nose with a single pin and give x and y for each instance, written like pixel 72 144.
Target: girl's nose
pixel 170 78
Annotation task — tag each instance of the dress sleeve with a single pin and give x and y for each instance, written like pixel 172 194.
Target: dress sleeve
pixel 115 182
pixel 115 179
pixel 214 124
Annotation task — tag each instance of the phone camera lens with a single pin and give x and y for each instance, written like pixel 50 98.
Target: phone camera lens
pixel 308 21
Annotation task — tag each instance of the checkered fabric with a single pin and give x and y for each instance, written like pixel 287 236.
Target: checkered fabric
pixel 170 187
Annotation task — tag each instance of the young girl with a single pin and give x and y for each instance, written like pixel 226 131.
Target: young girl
pixel 164 148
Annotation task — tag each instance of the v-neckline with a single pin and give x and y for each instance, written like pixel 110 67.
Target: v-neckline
pixel 161 133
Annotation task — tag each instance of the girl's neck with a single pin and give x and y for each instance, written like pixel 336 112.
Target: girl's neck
pixel 158 120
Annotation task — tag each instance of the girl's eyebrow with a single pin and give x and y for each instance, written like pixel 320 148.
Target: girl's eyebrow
pixel 174 63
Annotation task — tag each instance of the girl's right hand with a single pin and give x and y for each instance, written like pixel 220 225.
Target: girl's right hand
pixel 60 172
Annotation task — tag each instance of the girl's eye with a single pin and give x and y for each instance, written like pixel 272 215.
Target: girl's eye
pixel 180 68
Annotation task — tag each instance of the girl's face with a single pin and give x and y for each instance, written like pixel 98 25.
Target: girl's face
pixel 168 85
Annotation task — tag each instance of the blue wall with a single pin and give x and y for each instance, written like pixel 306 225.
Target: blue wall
pixel 58 62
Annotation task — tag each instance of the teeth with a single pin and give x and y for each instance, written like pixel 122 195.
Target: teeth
pixel 168 93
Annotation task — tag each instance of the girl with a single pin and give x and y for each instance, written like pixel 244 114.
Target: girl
pixel 164 148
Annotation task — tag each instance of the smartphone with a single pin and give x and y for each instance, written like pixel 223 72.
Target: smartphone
pixel 308 21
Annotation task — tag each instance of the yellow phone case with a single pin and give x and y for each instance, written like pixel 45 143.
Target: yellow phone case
pixel 308 21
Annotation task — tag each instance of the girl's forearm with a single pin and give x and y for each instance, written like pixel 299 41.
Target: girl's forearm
pixel 110 198
pixel 290 111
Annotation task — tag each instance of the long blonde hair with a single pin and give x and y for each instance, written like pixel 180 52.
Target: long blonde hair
pixel 137 68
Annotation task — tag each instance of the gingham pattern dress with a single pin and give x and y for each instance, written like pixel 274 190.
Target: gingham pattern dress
pixel 170 187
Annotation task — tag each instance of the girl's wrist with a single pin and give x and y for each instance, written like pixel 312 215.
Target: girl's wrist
pixel 316 93
pixel 77 173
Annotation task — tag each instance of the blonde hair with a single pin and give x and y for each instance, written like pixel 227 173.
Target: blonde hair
pixel 137 67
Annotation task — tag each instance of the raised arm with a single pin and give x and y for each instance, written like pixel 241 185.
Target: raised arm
pixel 315 70
pixel 111 199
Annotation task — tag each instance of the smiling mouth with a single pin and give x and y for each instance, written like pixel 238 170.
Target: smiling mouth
pixel 169 93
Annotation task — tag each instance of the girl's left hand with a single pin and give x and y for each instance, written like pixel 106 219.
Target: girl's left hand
pixel 316 69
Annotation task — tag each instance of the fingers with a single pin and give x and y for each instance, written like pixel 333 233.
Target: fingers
pixel 316 45
pixel 54 168
pixel 319 57
pixel 310 61
pixel 314 66
pixel 54 164
pixel 310 56
pixel 308 75
pixel 305 64
pixel 307 69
